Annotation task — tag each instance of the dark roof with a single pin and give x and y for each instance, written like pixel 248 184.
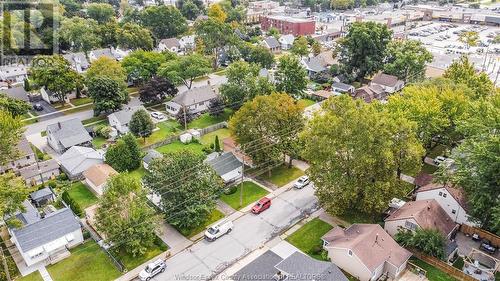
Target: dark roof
pixel 69 133
pixel 263 267
pixel 272 42
pixel 42 193
pixel 370 93
pixel 385 79
pixel 17 93
pixel 225 163
pixel 42 167
pixel 125 115
pixel 342 86
pixel 301 266
pixel 170 42
pixel 150 155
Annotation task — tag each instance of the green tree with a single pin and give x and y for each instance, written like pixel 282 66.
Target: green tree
pixel 108 33
pixel 188 187
pixel 462 71
pixel 316 48
pixel 79 34
pixel 267 128
pixel 141 124
pixel 214 36
pixel 107 67
pixel 342 4
pixel 13 192
pixel 163 21
pixel 407 60
pixel 101 12
pixel 107 94
pixel 14 106
pixel 216 144
pixel 469 38
pixel 273 31
pixel 291 77
pixel 71 7
pixel 428 241
pixel 261 56
pixel 184 69
pixel 124 216
pixel 55 74
pixel 125 155
pixel 11 129
pixel 363 50
pixel 141 65
pixel 216 12
pixel 189 10
pixel 300 46
pixel 133 36
pixel 356 151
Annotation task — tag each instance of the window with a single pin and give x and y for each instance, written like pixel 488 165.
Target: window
pixel 409 225
pixel 440 193
pixel 444 195
pixel 453 211
pixel 349 253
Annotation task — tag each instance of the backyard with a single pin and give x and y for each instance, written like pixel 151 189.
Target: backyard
pixel 80 101
pixel 209 138
pixel 98 142
pixel 214 216
pixel 206 119
pixel 131 262
pixel 35 276
pixel 138 173
pixel 308 237
pixel 433 274
pixel 251 193
pixel 166 129
pixel 177 146
pixel 82 195
pixel 282 175
pixel 306 102
pixel 86 263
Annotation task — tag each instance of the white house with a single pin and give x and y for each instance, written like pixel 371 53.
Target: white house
pixel 25 156
pixel 194 100
pixel 65 134
pixel 78 159
pixel 78 61
pixel 96 177
pixel 187 43
pixel 341 88
pixel 169 44
pixel 451 199
pixel 46 240
pixel 121 119
pixel 14 73
pixel 389 83
pixel 227 166
pixel 286 41
pixel 365 251
pixel 51 97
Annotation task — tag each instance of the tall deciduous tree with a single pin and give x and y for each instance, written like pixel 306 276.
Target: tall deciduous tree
pixel 267 128
pixel 184 69
pixel 157 89
pixel 291 76
pixel 469 38
pixel 124 216
pixel 462 71
pixel 107 67
pixel 79 34
pixel 216 12
pixel 133 36
pixel 356 150
pixel 261 56
pixel 407 60
pixel 107 94
pixel 14 106
pixel 125 155
pixel 141 124
pixel 214 36
pixel 188 187
pixel 141 65
pixel 13 192
pixel 163 21
pixel 363 50
pixel 11 129
pixel 101 12
pixel 191 9
pixel 300 46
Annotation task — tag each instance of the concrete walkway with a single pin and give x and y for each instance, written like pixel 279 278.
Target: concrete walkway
pixel 45 274
pixel 224 208
pixel 175 241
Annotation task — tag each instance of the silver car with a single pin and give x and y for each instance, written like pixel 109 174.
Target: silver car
pixel 302 182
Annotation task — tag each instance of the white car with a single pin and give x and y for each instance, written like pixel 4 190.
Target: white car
pixel 440 159
pixel 302 182
pixel 157 115
pixel 218 229
pixel 152 270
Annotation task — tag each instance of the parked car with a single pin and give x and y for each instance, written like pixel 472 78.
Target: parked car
pixel 157 115
pixel 152 270
pixel 37 107
pixel 219 229
pixel 262 205
pixel 487 247
pixel 302 182
pixel 440 159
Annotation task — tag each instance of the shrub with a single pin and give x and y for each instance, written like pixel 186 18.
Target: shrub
pixel 62 177
pixel 86 235
pixel 52 184
pixel 356 84
pixel 103 130
pixel 316 250
pixel 428 241
pixel 230 189
pixel 207 149
pixel 72 204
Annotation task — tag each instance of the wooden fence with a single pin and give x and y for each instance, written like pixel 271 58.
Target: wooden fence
pixel 441 265
pixel 483 234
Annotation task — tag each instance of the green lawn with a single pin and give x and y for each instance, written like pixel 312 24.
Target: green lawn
pixel 86 263
pixel 31 121
pixel 251 193
pixel 138 173
pixel 438 150
pixel 429 169
pixel 179 146
pixel 39 154
pixel 94 119
pixel 82 195
pixel 131 262
pixel 35 276
pixel 306 102
pixel 206 120
pixel 282 175
pixel 209 138
pixel 78 109
pixel 80 101
pixel 433 274
pixel 214 216
pixel 98 142
pixel 352 216
pixel 166 129
pixel 308 237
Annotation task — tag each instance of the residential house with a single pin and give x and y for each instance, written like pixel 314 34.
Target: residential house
pixel 370 93
pixel 46 240
pixel 78 61
pixel 96 177
pixel 451 199
pixel 327 58
pixel 65 134
pixel 17 93
pixel 112 53
pixel 365 251
pixel 319 63
pixel 42 197
pixel 78 159
pixel 40 172
pixel 25 156
pixel 230 145
pixel 187 43
pixel 194 100
pixel 227 166
pixel 321 95
pixel 425 214
pixel 121 119
pixel 272 44
pixel 170 44
pixel 389 83
pixel 286 41
pixel 13 73
pixel 342 88
pixel 149 157
pixel 51 97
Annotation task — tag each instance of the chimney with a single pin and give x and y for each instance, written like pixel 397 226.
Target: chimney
pixel 376 238
pixel 59 125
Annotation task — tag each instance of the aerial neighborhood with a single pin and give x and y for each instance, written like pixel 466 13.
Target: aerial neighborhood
pixel 328 140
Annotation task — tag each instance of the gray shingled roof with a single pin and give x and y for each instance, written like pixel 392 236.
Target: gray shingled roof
pixel 225 163
pixel 42 193
pixel 24 147
pixel 195 95
pixel 53 226
pixel 69 133
pixel 342 86
pixel 315 64
pixel 17 93
pixel 298 265
pixel 42 167
pixel 263 266
pixel 30 214
pixel 150 155
pixel 103 52
pixel 272 43
pixel 125 114
pixel 171 42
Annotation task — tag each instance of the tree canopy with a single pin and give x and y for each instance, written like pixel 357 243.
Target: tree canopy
pixel 141 65
pixel 141 124
pixel 14 106
pixel 462 71
pixel 291 76
pixel 300 46
pixel 184 69
pixel 214 36
pixel 407 60
pixel 107 67
pixel 133 36
pixel 163 21
pixel 125 155
pixel 107 94
pixel 79 34
pixel 156 89
pixel 101 12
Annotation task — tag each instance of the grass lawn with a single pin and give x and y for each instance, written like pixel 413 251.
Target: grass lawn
pixel 94 119
pixel 179 146
pixel 308 237
pixel 206 120
pixel 60 106
pixel 131 262
pixel 39 154
pixel 82 195
pixel 282 175
pixel 35 276
pixel 438 150
pixel 429 169
pixel 306 102
pixel 209 138
pixel 80 101
pixel 166 129
pixel 86 263
pixel 83 108
pixel 138 173
pixel 433 274
pixel 31 121
pixel 214 216
pixel 98 142
pixel 251 193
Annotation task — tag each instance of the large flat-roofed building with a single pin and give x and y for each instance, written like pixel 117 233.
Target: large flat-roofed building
pixel 288 25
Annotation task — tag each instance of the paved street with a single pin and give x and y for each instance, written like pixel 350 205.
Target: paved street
pixel 206 259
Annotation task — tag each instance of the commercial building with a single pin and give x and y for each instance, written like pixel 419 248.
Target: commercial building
pixel 288 25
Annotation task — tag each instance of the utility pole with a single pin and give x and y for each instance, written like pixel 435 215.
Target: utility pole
pixel 242 175
pixel 185 121
pixel 5 266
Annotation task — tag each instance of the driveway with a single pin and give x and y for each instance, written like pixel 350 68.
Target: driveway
pixel 47 108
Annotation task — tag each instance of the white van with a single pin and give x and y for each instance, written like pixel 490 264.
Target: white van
pixel 218 229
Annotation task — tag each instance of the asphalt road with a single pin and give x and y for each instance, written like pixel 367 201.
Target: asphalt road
pixel 205 259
